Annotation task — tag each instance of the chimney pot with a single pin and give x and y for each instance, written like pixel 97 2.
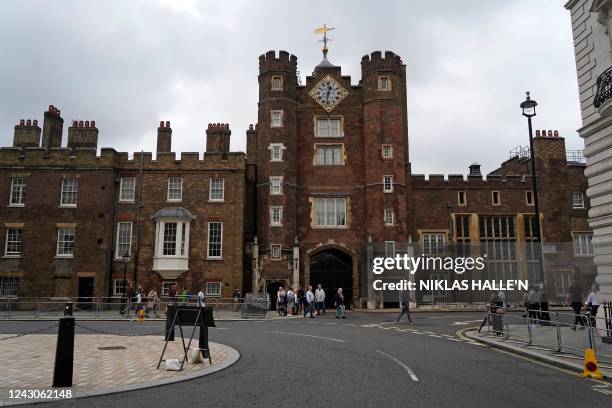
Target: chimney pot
pixel 550 133
pixel 556 133
pixel 93 123
pixel 75 123
pixel 22 122
pixel 28 122
pixel 537 133
pixel 161 123
pixel 167 123
pixel 80 123
pixel 86 123
pixel 35 122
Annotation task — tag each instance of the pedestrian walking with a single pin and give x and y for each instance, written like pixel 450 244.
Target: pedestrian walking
pixel 320 299
pixel 339 303
pixel 497 310
pixel 301 301
pixel 310 298
pixel 544 315
pixel 172 293
pixel 186 295
pixel 592 302
pixel 281 301
pixel 404 298
pixel 153 302
pixel 201 298
pixel 138 305
pixel 290 301
pixel 531 301
pixel 574 298
pixel 236 296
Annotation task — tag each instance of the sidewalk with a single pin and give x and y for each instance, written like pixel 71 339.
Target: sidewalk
pixel 544 345
pixel 103 364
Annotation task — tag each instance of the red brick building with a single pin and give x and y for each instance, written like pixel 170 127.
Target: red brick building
pixel 325 185
pixel 73 216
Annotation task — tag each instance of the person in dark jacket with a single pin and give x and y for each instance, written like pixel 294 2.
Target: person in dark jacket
pixel 339 302
pixel 574 298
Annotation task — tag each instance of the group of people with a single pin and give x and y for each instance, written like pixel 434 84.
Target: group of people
pixel 575 299
pixel 310 303
pixel 137 300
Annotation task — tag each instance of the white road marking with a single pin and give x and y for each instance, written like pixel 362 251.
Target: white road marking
pixel 434 335
pixel 466 322
pixel 404 366
pixel 220 328
pixel 450 338
pixel 331 323
pixel 389 327
pixel 348 324
pixel 307 335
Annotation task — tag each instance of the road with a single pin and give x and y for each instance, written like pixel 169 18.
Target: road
pixel 365 360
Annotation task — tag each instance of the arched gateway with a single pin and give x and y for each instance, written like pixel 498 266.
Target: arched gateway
pixel 333 269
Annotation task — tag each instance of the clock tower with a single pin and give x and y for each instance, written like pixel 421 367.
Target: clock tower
pixel 332 172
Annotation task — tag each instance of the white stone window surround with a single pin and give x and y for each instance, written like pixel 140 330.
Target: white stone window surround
pixel 277 151
pixel 171 266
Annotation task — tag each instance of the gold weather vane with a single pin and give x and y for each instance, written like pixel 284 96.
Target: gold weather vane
pixel 323 30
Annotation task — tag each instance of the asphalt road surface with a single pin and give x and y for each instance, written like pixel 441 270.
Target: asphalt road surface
pixel 366 360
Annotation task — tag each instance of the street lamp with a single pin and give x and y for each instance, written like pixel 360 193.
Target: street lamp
pixel 528 106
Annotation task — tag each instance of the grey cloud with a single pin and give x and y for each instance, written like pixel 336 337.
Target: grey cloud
pixel 129 64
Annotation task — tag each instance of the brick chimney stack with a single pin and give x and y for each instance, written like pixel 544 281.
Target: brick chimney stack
pixel 83 134
pixel 52 128
pixel 27 134
pixel 218 138
pixel 164 137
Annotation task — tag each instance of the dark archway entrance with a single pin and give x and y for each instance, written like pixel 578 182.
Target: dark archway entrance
pixel 333 269
pixel 272 289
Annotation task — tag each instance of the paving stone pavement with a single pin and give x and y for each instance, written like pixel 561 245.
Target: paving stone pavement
pixel 27 362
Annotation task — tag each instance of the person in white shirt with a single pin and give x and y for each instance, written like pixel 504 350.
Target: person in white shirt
pixel 290 301
pixel 309 302
pixel 320 299
pixel 592 302
pixel 201 298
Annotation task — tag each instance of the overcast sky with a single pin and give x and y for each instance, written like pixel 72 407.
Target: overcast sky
pixel 127 64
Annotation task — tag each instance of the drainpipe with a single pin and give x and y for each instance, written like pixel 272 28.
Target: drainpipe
pixel 140 188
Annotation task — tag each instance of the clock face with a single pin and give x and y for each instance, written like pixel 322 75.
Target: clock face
pixel 328 92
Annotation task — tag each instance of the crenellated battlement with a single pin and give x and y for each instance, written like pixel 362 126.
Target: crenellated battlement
pixel 269 62
pixel 459 181
pixel 82 157
pixel 375 62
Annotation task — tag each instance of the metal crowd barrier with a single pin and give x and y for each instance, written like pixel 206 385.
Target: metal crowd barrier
pixel 553 330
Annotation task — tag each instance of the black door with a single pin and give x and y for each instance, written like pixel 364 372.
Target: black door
pixel 85 295
pixel 272 289
pixel 332 269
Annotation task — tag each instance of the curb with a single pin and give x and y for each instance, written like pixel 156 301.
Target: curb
pixel 232 357
pixel 532 355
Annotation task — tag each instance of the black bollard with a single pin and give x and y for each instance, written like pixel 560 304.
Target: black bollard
pixel 68 309
pixel 203 340
pixel 64 353
pixel 170 313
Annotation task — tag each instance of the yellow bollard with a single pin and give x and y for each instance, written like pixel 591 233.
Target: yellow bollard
pixel 591 368
pixel 141 315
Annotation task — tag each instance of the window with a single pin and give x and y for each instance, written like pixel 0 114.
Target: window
pixel 582 244
pixel 175 189
pixel 70 190
pixel 438 276
pixel 9 286
pixel 13 242
pixel 276 251
pixel 18 192
pixel 390 249
pixel 124 239
pixel 328 155
pixel 215 239
pixel 276 118
pixel 276 152
pixel 531 229
pixel 563 281
pixel 388 216
pixel 387 151
pixel 127 189
pixel 495 199
pixel 433 243
pixel 328 127
pixel 213 289
pixel 529 198
pixel 276 216
pixel 276 185
pixel 462 235
pixel 118 287
pixel 166 287
pixel 277 83
pixel 330 212
pixel 65 241
pixel 461 198
pixel 384 83
pixel 170 238
pixel 498 243
pixel 217 189
pixel 577 200
pixel 388 184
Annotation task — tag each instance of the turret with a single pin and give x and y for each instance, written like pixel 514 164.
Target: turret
pixel 52 128
pixel 27 134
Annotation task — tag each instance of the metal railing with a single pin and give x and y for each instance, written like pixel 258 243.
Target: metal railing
pixel 559 332
pixel 575 157
pixel 109 308
pixel 604 88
